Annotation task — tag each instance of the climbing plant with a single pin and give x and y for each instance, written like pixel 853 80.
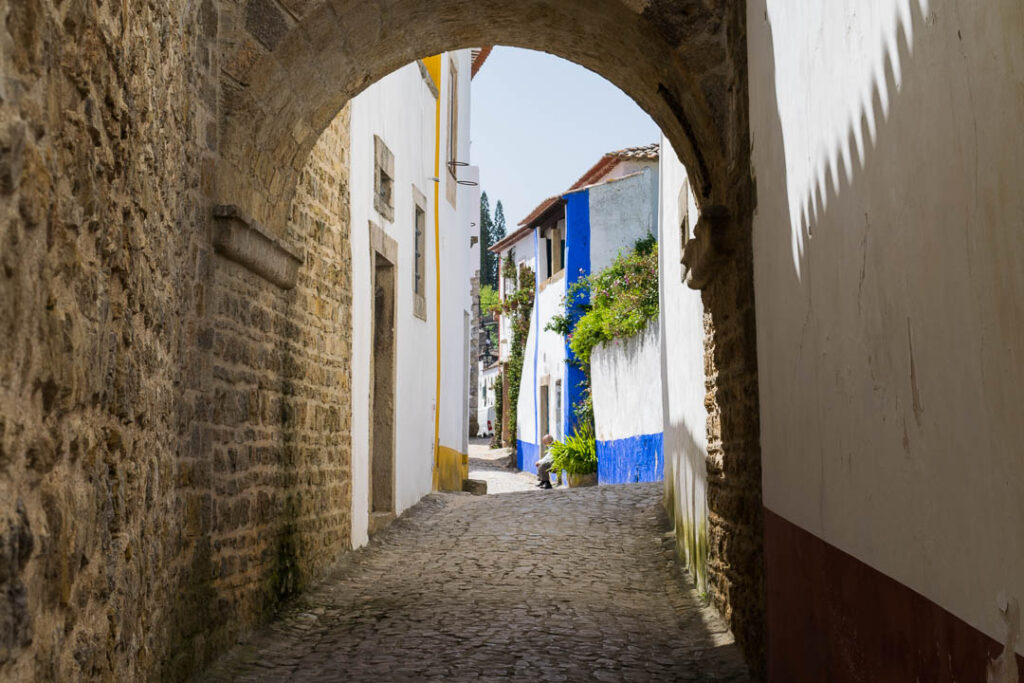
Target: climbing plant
pixel 518 306
pixel 498 406
pixel 623 299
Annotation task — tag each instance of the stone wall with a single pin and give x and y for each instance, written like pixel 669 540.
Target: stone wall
pixel 145 412
pixel 107 122
pixel 275 415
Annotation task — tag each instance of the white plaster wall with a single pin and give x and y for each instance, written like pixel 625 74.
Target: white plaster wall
pixel 456 265
pixel 625 377
pixel 889 271
pixel 682 356
pixel 551 348
pixel 400 109
pixel 628 167
pixel 622 211
pixel 526 416
pixel 485 405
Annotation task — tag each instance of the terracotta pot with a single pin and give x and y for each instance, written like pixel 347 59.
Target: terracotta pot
pixel 576 480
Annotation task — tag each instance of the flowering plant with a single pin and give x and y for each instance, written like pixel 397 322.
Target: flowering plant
pixel 623 298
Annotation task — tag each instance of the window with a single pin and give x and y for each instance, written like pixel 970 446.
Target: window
pixel 419 263
pixel 453 132
pixel 383 179
pixel 547 252
pixel 554 250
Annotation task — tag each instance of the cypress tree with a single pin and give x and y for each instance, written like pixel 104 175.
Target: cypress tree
pixel 486 242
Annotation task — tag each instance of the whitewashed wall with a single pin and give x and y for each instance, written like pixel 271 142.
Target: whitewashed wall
pixel 622 211
pixel 400 109
pixel 682 366
pixel 486 401
pixel 551 349
pixel 625 376
pixel 889 271
pixel 457 266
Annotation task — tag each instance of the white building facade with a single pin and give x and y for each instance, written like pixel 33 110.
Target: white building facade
pixel 566 238
pixel 682 369
pixel 412 222
pixel 488 378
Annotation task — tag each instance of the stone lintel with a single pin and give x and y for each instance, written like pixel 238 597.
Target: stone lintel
pixel 706 250
pixel 238 237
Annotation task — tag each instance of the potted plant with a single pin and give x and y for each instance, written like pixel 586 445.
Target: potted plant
pixel 577 457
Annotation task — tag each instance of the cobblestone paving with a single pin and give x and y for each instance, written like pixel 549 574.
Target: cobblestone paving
pixel 491 465
pixel 561 585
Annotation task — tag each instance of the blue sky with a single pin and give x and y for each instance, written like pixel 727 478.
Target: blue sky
pixel 539 122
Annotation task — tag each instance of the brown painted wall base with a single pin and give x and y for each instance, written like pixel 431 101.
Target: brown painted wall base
pixel 833 618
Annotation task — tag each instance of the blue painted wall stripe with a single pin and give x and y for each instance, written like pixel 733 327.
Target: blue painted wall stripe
pixel 527 455
pixel 536 332
pixel 633 459
pixel 577 247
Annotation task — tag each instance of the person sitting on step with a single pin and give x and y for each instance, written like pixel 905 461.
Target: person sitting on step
pixel 544 464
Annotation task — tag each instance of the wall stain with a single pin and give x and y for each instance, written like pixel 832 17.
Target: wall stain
pixel 918 410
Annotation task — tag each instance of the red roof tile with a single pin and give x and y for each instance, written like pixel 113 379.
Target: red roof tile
pixel 480 55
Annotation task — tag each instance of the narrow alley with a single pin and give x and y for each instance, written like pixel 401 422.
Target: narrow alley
pixel 503 587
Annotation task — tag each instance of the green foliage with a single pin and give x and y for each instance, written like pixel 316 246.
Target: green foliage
pixel 584 408
pixel 645 245
pixel 498 401
pixel 498 226
pixel 489 300
pixel 518 306
pixel 487 258
pixel 492 230
pixel 577 454
pixel 623 300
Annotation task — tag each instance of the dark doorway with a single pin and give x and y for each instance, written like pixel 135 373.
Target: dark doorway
pixel 382 400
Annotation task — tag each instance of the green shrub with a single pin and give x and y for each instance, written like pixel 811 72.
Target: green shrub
pixel 518 306
pixel 623 300
pixel 490 302
pixel 577 454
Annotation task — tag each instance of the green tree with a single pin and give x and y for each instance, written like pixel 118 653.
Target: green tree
pixel 489 299
pixel 487 259
pixel 497 234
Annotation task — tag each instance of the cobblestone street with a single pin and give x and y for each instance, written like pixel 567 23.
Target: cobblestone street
pixel 491 465
pixel 576 584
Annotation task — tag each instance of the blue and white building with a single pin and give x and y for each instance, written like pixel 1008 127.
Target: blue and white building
pixel 567 237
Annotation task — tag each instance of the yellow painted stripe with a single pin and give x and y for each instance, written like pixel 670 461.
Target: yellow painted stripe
pixel 433 65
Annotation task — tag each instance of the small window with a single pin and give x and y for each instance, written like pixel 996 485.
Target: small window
pixel 453 133
pixel 419 265
pixel 547 251
pixel 383 179
pixel 554 251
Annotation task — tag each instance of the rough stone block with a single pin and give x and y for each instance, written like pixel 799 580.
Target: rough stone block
pixel 239 238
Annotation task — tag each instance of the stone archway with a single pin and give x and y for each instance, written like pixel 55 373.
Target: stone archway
pixel 288 68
